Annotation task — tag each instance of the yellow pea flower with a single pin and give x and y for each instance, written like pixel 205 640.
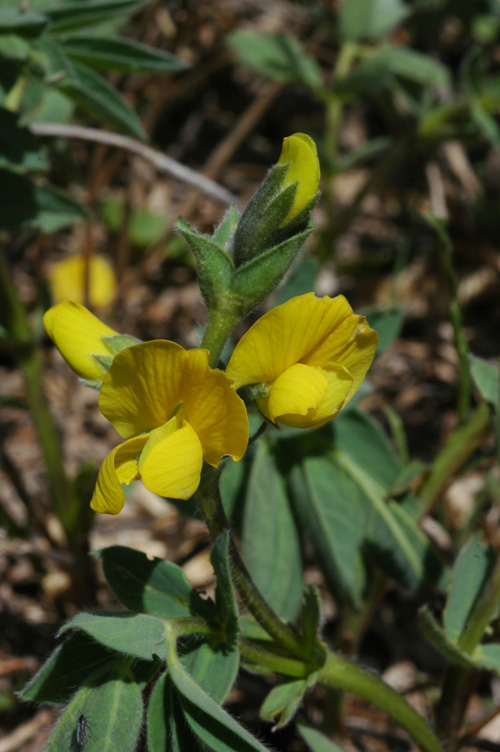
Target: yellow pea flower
pixel 173 411
pixel 300 154
pixel 78 335
pixel 306 358
pixel 67 280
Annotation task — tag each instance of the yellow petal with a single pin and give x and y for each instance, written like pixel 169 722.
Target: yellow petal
pixel 213 409
pixel 337 394
pixel 284 336
pixel 171 461
pixel 358 357
pixel 142 387
pixel 120 466
pixel 67 280
pixel 300 153
pixel 77 334
pixel 299 390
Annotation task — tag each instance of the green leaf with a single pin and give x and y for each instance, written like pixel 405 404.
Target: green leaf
pixel 284 700
pixel 486 377
pixel 208 721
pixel 166 728
pixel 225 598
pixel 95 95
pixel 486 123
pixel 145 227
pixel 315 740
pixel 159 708
pixel 470 572
pixel 74 14
pixel 112 711
pixel 378 69
pixel 110 53
pixel 271 545
pixel 18 146
pixel 439 640
pixel 487 656
pixel 369 19
pixel 68 667
pixel 213 667
pixel 132 634
pixel 328 506
pixel 340 488
pixel 24 205
pixel 150 585
pixel 27 24
pixel 278 56
pixel 14 47
pixel 412 472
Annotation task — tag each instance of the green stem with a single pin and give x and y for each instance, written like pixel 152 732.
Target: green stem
pixel 260 656
pixel 460 681
pixel 220 326
pixel 215 517
pixel 462 442
pixel 31 367
pixel 340 673
pixel 334 109
pixel 455 315
pixel 483 611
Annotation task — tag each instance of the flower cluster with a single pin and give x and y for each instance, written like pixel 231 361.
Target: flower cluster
pixel 301 362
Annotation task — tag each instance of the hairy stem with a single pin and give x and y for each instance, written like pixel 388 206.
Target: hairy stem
pixel 215 517
pixel 340 673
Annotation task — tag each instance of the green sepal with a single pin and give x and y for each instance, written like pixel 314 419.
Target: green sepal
pixel 91 383
pixel 255 209
pixel 118 342
pixel 439 640
pixel 284 700
pixel 262 234
pixel 104 361
pixel 215 267
pixel 255 280
pixel 225 230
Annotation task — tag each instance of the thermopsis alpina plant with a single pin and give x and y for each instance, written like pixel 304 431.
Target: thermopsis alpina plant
pixel 180 415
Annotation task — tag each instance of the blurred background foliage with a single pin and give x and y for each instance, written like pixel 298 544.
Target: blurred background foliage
pixel 402 99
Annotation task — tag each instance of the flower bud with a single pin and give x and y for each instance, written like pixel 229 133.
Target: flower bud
pixel 299 153
pixel 86 343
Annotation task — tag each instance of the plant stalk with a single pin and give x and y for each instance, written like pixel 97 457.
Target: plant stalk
pixel 31 367
pixel 217 522
pixel 340 673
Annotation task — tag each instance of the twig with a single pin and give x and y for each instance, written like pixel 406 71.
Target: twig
pixel 160 161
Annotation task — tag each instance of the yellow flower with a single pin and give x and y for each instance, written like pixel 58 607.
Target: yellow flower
pixel 173 412
pixel 78 335
pixel 67 280
pixel 306 358
pixel 300 153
